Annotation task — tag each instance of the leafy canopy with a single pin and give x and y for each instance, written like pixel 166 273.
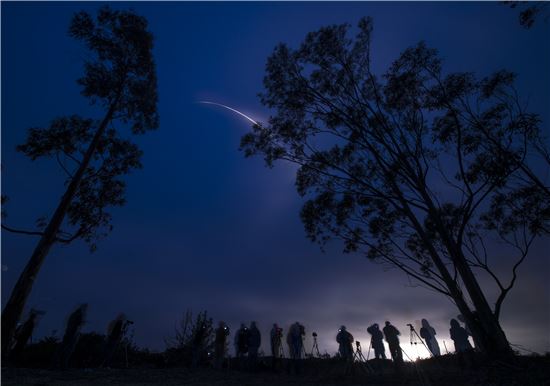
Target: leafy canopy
pixel 119 76
pixel 408 167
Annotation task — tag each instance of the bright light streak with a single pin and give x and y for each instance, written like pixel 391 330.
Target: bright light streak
pixel 231 109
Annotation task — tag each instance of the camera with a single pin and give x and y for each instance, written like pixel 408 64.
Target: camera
pixel 314 334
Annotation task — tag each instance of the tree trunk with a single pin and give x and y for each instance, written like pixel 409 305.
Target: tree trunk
pixel 16 303
pixel 491 336
pixel 495 341
pixel 476 330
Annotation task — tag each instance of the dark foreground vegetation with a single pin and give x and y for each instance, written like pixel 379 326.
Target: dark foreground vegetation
pixel 441 371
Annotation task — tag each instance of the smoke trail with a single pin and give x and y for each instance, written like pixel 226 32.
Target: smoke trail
pixel 231 109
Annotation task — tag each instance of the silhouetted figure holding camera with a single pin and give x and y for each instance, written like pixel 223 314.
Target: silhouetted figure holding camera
pixel 115 333
pixel 220 344
pixel 345 342
pixel 276 337
pixel 295 342
pixel 392 337
pixel 376 341
pixel 72 333
pixel 427 332
pixel 241 343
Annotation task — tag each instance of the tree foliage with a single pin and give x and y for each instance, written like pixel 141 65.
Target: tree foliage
pixel 413 168
pixel 531 11
pixel 120 76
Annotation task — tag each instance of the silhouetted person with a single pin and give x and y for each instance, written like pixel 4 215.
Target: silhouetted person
pixel 392 337
pixel 345 342
pixel 276 340
pixel 241 343
pixel 276 337
pixel 294 339
pixel 72 333
pixel 23 333
pixel 254 342
pixel 459 335
pixel 198 344
pixel 376 341
pixel 220 343
pixel 427 332
pixel 115 333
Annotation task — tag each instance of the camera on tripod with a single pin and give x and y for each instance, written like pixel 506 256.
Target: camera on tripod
pixel 314 334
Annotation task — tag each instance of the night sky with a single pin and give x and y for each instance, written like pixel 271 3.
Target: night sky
pixel 205 228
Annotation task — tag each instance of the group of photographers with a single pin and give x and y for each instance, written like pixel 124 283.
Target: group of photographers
pixel 248 340
pixel 458 334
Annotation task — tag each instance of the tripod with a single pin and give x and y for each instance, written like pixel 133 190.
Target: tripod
pixel 359 357
pixel 315 347
pixel 281 351
pixel 368 351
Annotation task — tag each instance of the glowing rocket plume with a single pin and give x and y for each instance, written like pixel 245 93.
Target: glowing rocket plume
pixel 231 109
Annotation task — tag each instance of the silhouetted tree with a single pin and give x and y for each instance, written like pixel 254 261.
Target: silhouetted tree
pixel 413 168
pixel 531 11
pixel 193 340
pixel 120 77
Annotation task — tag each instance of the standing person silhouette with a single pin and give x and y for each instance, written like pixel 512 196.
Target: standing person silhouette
pixel 220 344
pixel 427 332
pixel 23 334
pixel 276 336
pixel 459 335
pixel 345 342
pixel 392 337
pixel 376 341
pixel 72 333
pixel 241 344
pixel 254 342
pixel 295 342
pixel 115 333
pixel 463 348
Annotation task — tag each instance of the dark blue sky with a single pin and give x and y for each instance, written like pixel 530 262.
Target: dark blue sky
pixel 205 228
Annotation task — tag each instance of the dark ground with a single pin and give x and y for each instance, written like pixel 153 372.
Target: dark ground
pixel 527 371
